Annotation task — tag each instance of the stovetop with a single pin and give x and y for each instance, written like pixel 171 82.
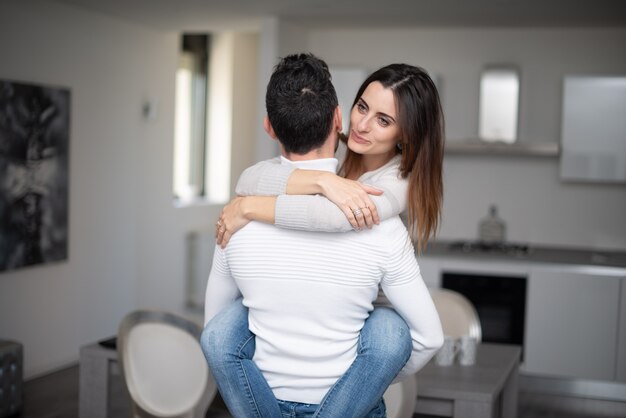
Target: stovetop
pixel 505 248
pixel 527 252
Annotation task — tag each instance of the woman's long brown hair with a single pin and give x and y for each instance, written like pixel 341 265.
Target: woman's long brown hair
pixel 421 123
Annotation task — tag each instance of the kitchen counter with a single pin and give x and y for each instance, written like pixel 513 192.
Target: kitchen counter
pixel 526 253
pixel 574 297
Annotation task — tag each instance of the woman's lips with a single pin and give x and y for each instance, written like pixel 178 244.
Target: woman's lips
pixel 359 139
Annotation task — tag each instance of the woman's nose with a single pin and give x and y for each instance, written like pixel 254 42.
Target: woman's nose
pixel 363 124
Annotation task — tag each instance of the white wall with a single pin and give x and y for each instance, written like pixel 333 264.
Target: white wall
pixel 126 243
pixel 268 57
pixel 110 67
pixel 245 93
pixel 537 207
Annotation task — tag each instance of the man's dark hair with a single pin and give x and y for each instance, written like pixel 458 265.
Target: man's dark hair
pixel 300 102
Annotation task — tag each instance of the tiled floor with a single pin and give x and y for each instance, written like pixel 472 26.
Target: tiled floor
pixel 56 396
pixel 533 405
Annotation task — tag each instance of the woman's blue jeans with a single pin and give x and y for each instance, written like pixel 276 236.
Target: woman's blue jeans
pixel 384 348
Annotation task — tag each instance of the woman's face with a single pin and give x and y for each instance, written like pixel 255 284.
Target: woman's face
pixel 374 126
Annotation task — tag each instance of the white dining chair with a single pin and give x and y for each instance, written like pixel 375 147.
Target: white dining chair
pixel 400 398
pixel 163 365
pixel 457 314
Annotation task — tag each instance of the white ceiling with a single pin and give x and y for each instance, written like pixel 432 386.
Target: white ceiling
pixel 207 14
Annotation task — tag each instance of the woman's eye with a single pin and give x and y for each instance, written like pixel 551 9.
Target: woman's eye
pixel 383 122
pixel 361 107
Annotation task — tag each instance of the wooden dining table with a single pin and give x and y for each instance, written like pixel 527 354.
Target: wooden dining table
pixel 486 389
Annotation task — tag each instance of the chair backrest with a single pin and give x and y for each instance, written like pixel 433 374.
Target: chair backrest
pixel 163 365
pixel 458 315
pixel 400 398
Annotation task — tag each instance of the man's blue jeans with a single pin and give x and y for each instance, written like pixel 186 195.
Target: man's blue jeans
pixel 302 410
pixel 383 349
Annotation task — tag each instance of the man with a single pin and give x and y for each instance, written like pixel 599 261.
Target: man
pixel 309 294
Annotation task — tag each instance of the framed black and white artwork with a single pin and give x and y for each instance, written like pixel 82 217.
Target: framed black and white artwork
pixel 34 174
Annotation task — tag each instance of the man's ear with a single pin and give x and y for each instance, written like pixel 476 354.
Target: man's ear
pixel 268 127
pixel 337 119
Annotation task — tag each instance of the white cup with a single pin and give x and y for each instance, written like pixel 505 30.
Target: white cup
pixel 467 350
pixel 447 352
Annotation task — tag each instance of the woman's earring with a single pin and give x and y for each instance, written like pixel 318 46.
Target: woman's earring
pixel 399 146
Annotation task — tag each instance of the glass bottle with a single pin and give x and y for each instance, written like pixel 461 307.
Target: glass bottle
pixel 491 228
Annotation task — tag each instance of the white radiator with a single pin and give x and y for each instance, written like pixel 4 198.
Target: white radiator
pixel 200 246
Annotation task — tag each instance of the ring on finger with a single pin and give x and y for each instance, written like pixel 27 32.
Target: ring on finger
pixel 357 211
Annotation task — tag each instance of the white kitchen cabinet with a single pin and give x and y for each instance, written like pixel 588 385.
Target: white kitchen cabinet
pixel 572 322
pixel 602 159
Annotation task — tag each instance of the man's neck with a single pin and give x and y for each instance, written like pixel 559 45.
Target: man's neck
pixel 316 154
pixel 327 150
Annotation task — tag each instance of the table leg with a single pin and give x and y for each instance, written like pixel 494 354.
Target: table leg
pixel 509 395
pixel 93 385
pixel 469 409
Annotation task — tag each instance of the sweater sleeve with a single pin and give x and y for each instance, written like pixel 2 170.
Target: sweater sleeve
pixel 409 296
pixel 309 213
pixel 266 178
pixel 317 213
pixel 221 288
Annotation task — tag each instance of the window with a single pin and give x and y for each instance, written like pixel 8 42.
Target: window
pixel 191 118
pixel 204 119
pixel 499 104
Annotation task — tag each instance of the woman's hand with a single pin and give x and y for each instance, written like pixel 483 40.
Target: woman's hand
pixel 353 198
pixel 241 210
pixel 232 219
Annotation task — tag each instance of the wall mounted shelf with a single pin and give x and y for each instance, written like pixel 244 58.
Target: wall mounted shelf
pixel 478 147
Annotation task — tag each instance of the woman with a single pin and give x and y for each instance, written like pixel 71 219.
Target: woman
pixel 395 144
pixel 403 156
